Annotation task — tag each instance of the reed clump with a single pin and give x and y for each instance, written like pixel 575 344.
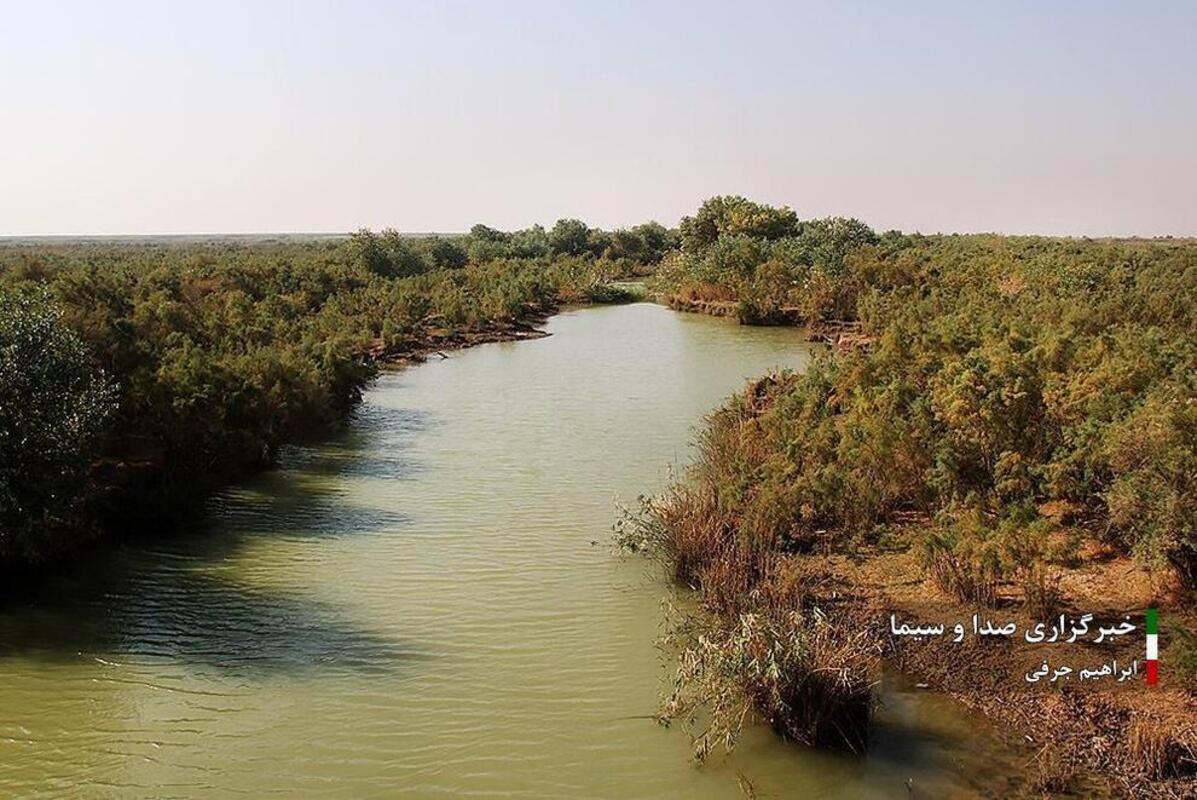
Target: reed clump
pixel 764 643
pixel 794 669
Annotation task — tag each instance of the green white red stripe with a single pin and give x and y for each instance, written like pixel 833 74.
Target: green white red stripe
pixel 1153 646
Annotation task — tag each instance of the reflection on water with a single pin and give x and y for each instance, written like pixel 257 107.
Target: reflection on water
pixel 419 606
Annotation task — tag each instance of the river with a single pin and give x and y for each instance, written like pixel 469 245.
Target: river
pixel 428 605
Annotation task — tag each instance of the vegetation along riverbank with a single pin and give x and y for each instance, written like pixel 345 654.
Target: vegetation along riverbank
pixel 1010 423
pixel 135 377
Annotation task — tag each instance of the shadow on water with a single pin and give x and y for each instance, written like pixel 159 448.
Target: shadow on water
pixel 916 733
pixel 176 598
pixel 291 507
pixel 373 446
pixel 195 619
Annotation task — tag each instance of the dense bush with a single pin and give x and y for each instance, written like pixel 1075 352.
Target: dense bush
pixel 727 216
pixel 55 406
pixel 219 352
pixel 774 266
pixel 626 250
pixel 999 375
pixel 1019 394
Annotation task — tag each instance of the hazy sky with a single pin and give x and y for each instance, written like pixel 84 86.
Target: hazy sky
pixel 159 117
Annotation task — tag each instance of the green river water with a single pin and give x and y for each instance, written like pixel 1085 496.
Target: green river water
pixel 428 605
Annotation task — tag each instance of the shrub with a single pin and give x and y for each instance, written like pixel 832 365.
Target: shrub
pixel 55 407
pixel 1153 492
pixel 809 680
pixel 963 563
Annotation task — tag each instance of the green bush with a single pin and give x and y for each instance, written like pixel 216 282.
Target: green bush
pixel 997 374
pixel 55 407
pixel 218 353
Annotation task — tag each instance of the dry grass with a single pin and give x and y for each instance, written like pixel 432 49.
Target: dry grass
pixel 758 647
pixel 1052 774
pixel 962 578
pixel 683 529
pixel 1162 749
pixel 1042 596
pixel 808 678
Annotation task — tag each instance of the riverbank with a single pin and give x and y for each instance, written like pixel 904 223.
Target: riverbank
pixel 117 481
pixel 785 592
pixel 847 605
pixel 168 371
pixel 839 334
pixel 436 341
pixel 1120 740
pixel 1006 413
pixel 529 324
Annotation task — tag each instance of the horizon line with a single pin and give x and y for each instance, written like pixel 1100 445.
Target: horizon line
pixel 230 235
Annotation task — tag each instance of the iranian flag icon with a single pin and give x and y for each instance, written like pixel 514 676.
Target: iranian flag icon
pixel 1153 647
